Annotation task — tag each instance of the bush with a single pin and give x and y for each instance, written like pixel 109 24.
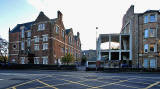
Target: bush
pixel 68 58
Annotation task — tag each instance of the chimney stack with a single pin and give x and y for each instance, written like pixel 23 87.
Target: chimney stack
pixel 78 34
pixel 9 29
pixel 60 15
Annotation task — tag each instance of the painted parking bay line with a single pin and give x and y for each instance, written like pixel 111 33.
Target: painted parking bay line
pixel 156 83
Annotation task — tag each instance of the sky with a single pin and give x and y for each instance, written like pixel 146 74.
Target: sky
pixel 81 15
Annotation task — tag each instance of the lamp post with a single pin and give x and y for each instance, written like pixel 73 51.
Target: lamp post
pixel 97 61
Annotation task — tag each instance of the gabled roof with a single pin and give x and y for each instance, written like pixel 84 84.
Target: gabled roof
pixel 26 25
pixel 42 17
pixel 67 31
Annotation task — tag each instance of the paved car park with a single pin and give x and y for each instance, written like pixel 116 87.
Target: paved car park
pixel 47 79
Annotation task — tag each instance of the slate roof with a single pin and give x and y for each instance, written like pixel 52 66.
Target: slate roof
pixel 41 17
pixel 67 31
pixel 17 28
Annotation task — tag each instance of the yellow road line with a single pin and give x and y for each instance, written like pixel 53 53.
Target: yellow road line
pixel 151 85
pixel 78 83
pixel 14 87
pixel 46 84
pixel 127 86
pixel 111 83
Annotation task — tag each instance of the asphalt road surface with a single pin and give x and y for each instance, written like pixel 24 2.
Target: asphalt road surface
pixel 47 79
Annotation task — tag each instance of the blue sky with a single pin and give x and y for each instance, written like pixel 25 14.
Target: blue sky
pixel 81 15
pixel 14 12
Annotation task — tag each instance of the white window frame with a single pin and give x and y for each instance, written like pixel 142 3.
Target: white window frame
pixel 45 59
pixel 36 60
pixel 146 46
pixel 153 62
pixel 155 47
pixel 146 19
pixel 22 45
pixel 45 37
pixel 45 46
pixel 154 32
pixel 36 47
pixel 36 39
pixel 151 19
pixel 29 34
pixel 28 42
pixel 22 33
pixel 146 33
pixel 41 26
pixel 146 63
pixel 22 60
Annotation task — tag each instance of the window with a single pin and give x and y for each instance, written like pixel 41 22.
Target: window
pixel 22 33
pixel 45 46
pixel 22 60
pixel 41 27
pixel 66 50
pixel 36 39
pixel 146 33
pixel 36 46
pixel 62 33
pixel 36 60
pixel 22 45
pixel 155 48
pixel 152 18
pixel 28 42
pixel 13 61
pixel 62 50
pixel 146 48
pixel 152 47
pixel 152 63
pixel 45 38
pixel 57 29
pixel 146 19
pixel 152 32
pixel 145 64
pixel 29 34
pixel 70 39
pixel 45 60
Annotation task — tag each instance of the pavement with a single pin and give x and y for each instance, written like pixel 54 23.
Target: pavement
pixel 49 79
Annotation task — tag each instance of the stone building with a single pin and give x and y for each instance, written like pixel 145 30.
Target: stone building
pixel 43 41
pixel 139 41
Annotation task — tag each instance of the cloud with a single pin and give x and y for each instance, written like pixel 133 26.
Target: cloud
pixel 38 4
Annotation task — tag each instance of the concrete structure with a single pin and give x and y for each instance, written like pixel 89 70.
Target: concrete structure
pixel 139 41
pixel 43 41
pixel 91 58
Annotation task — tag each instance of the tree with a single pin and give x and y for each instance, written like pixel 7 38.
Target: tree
pixel 3 49
pixel 83 60
pixel 68 58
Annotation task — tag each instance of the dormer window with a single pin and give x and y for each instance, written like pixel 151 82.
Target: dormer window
pixel 41 27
